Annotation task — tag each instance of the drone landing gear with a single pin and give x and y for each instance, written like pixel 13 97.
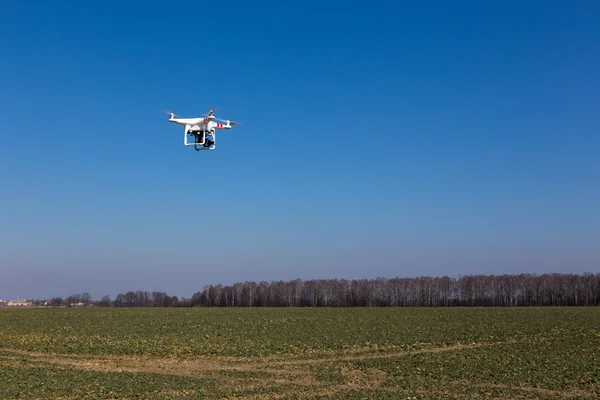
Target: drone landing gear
pixel 202 140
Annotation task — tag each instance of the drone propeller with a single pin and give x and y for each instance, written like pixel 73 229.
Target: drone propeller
pixel 227 121
pixel 168 112
pixel 212 109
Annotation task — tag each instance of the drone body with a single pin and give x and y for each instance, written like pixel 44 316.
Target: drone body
pixel 203 129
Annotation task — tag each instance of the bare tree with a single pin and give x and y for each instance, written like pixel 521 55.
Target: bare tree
pixel 105 301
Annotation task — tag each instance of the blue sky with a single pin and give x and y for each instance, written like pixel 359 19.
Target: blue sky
pixel 378 139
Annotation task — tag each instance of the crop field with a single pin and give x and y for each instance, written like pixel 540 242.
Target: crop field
pixel 255 353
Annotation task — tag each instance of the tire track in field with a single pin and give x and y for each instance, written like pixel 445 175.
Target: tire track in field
pixel 109 363
pixel 291 372
pixel 373 356
pixel 288 373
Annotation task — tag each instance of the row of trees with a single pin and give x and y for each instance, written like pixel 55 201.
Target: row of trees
pixel 470 290
pixel 129 299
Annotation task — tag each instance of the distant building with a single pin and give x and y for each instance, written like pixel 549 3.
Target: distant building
pixel 19 303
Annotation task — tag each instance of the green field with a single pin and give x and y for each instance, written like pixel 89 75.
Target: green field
pixel 548 353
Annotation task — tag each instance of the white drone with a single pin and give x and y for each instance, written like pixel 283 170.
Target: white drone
pixel 202 128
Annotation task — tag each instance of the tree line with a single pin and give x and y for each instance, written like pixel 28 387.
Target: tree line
pixel 469 290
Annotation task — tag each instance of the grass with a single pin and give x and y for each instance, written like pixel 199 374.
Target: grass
pixel 549 353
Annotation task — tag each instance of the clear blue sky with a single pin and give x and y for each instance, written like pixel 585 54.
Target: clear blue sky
pixel 379 139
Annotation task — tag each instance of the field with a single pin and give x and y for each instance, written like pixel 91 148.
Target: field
pixel 542 353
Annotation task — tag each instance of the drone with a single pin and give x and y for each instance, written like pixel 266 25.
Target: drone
pixel 203 129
